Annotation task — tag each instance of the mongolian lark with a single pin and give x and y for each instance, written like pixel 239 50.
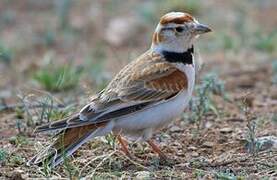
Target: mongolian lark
pixel 143 97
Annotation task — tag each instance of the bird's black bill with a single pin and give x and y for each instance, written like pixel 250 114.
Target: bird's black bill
pixel 201 29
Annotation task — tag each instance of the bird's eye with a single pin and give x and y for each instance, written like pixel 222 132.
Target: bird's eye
pixel 179 29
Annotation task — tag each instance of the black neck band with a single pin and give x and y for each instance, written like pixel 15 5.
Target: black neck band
pixel 184 57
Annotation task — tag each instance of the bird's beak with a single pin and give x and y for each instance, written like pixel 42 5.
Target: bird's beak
pixel 201 29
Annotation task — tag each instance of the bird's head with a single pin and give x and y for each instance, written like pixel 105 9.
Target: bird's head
pixel 176 32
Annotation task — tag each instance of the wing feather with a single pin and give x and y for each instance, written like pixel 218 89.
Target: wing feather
pixel 148 79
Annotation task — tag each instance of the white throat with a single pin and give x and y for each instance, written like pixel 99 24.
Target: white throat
pixel 171 47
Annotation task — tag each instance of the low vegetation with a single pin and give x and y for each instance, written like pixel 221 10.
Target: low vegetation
pixel 58 78
pixel 203 103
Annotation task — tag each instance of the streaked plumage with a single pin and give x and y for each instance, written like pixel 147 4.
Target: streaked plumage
pixel 146 95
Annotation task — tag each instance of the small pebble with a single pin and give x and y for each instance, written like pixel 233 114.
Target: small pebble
pixel 194 154
pixel 208 144
pixel 192 148
pixel 175 129
pixel 226 130
pixel 142 174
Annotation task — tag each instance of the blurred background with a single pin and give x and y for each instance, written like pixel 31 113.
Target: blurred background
pixel 59 52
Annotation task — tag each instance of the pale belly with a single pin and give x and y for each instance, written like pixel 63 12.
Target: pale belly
pixel 154 117
pixel 157 116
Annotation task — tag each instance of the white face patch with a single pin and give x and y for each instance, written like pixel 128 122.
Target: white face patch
pixel 173 41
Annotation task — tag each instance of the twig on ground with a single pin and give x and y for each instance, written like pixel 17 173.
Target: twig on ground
pixel 134 162
pixel 90 176
pixel 94 159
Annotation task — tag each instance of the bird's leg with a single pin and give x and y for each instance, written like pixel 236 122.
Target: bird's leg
pixel 124 144
pixel 157 150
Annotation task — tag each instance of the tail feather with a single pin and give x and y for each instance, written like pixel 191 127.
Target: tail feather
pixel 66 144
pixel 57 125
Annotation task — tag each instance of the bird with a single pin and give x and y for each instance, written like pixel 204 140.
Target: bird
pixel 144 97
